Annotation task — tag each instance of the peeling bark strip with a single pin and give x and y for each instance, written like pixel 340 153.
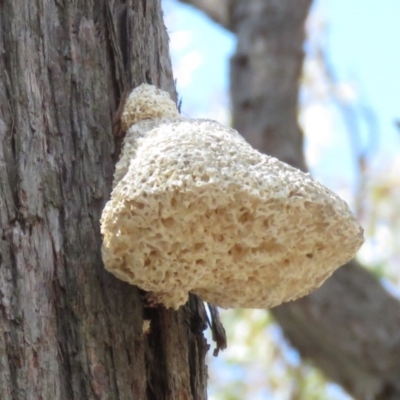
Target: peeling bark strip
pixel 68 329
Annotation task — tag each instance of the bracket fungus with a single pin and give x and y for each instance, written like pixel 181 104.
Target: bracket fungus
pixel 194 208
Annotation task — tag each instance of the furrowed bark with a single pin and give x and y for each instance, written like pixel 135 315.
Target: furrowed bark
pixel 68 329
pixel 350 327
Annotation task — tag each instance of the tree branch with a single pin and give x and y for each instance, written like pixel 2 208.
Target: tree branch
pixel 218 11
pixel 350 330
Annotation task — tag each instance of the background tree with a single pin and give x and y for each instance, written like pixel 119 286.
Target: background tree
pixel 68 329
pixel 349 327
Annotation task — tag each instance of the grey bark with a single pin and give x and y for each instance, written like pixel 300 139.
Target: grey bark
pixel 350 328
pixel 68 329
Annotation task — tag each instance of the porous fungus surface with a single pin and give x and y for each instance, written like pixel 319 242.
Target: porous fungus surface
pixel 196 208
pixel 147 102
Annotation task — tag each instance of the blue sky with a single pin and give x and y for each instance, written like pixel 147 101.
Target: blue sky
pixel 362 46
pixel 215 45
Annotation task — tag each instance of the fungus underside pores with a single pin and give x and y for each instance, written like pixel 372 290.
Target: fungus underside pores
pixel 195 208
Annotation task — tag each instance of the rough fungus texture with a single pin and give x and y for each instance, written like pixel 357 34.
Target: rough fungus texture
pixel 196 208
pixel 147 102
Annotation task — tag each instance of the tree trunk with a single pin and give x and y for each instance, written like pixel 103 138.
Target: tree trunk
pixel 68 329
pixel 350 327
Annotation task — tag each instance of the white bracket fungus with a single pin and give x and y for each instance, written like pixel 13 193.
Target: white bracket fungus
pixel 196 208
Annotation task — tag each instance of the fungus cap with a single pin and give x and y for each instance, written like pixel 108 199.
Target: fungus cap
pixel 147 102
pixel 196 208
